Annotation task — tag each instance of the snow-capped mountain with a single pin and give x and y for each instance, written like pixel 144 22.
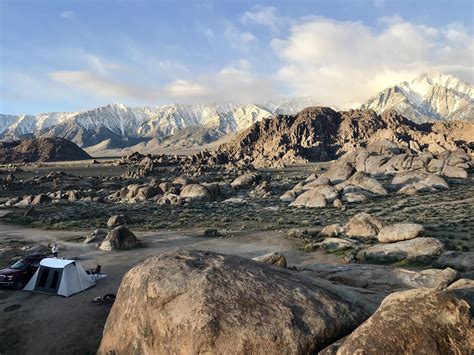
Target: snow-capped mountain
pixel 429 97
pixel 289 106
pixel 119 123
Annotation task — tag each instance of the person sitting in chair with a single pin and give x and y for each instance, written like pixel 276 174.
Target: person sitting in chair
pixel 55 250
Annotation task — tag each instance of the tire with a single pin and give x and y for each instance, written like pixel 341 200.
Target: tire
pixel 18 284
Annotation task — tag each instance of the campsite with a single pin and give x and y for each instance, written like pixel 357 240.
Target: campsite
pixel 75 322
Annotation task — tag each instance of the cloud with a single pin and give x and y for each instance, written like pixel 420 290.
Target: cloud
pixel 67 14
pixel 181 88
pixel 96 84
pixel 265 16
pixel 231 83
pixel 341 62
pixel 239 39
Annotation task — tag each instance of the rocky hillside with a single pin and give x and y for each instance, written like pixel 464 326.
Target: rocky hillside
pixel 40 150
pixel 322 134
pixel 430 97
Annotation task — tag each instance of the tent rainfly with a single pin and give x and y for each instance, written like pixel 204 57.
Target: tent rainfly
pixel 59 277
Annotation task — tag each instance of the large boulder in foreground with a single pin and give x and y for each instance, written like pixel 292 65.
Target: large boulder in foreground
pixel 415 322
pixel 120 238
pixel 194 302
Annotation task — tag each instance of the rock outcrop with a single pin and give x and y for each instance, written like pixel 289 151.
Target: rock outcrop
pixel 414 322
pixel 322 134
pixel 41 150
pixel 196 302
pixel 120 238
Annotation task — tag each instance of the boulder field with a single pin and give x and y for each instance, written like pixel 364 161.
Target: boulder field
pixel 193 301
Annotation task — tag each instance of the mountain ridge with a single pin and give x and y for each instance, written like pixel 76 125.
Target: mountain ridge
pixel 427 98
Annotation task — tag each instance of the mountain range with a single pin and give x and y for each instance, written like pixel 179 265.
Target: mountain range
pixel 430 97
pixel 427 98
pixel 125 126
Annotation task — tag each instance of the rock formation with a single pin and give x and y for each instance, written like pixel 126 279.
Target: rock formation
pixel 196 301
pixel 40 150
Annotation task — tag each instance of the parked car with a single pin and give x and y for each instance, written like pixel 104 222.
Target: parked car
pixel 21 272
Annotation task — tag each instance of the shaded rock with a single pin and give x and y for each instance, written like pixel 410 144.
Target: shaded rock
pixel 116 220
pixel 275 259
pixel 460 261
pixel 332 230
pixel 310 198
pixel 383 146
pixel 165 186
pixel 454 172
pixel 414 249
pixel 354 197
pixel 337 203
pixel 97 236
pixel 337 244
pixel 410 321
pixel 289 196
pixel 74 195
pixel 196 302
pixel 436 165
pixel 120 238
pixel 40 199
pixel 181 180
pixel 170 199
pixel 367 183
pixel 463 288
pixel 338 172
pixel 245 181
pixel 25 201
pixel 363 225
pixel 383 278
pixel 41 150
pixel 400 231
pixel 196 192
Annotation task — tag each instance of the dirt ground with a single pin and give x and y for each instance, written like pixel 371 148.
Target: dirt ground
pixel 34 323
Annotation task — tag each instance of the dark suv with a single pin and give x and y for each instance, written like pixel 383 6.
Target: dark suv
pixel 21 272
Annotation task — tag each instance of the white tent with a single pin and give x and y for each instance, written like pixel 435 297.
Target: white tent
pixel 60 277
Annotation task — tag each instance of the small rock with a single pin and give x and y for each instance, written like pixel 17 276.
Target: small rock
pixel 275 259
pixel 116 220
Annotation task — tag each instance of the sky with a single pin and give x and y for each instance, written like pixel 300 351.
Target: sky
pixel 65 55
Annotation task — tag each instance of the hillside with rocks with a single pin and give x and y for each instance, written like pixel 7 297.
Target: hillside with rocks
pixel 322 134
pixel 41 150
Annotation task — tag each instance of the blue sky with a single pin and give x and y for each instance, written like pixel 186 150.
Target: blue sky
pixel 72 55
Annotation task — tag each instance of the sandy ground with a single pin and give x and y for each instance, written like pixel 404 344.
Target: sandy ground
pixel 34 323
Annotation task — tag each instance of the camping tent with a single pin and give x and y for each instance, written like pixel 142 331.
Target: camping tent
pixel 60 277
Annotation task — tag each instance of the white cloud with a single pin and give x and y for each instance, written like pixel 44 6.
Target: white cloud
pixel 181 88
pixel 341 62
pixel 239 39
pixel 265 16
pixel 96 84
pixel 338 63
pixel 67 14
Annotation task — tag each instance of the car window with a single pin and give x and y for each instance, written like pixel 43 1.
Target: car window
pixel 20 265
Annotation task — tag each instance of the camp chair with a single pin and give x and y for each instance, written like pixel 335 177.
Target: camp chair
pixel 95 273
